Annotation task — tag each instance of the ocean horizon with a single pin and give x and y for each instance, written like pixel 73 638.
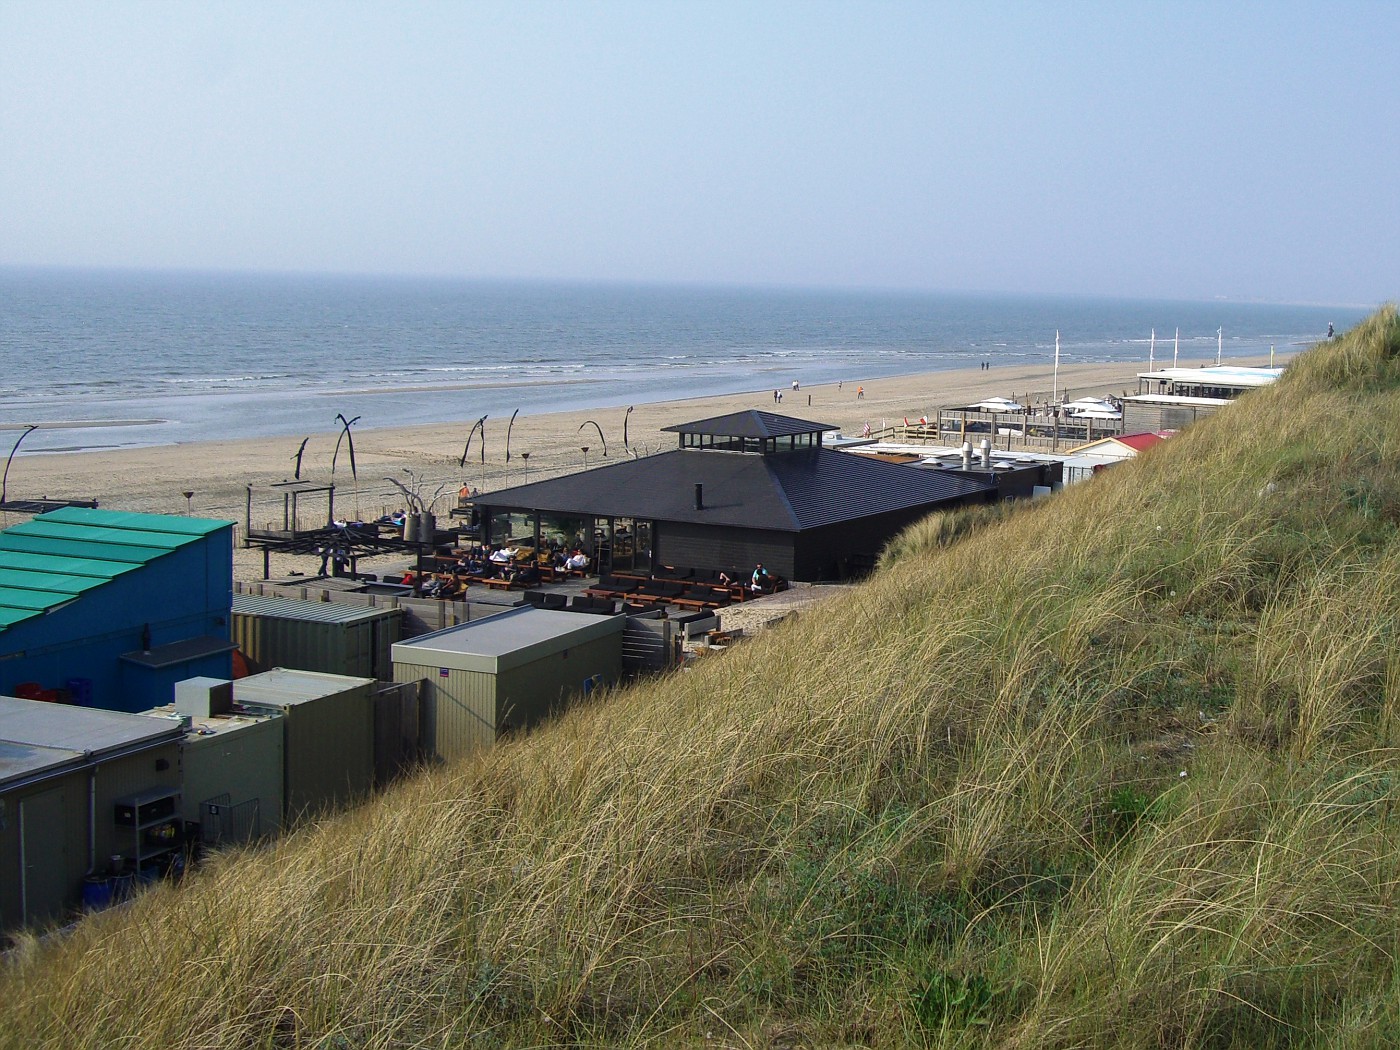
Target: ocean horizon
pixel 115 359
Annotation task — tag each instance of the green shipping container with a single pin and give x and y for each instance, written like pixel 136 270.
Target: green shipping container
pixel 331 637
pixel 328 740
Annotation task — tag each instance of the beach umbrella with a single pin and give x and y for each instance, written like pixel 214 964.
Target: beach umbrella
pixel 999 404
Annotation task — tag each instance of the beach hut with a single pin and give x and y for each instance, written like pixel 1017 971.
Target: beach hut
pixel 506 672
pixel 1087 460
pixel 84 795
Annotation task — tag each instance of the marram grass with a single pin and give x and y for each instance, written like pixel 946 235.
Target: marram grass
pixel 1114 769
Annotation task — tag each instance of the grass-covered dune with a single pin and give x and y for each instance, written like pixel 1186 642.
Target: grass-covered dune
pixel 1114 769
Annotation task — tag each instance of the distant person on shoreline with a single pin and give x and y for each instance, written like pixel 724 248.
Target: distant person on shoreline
pixel 860 393
pixel 1329 329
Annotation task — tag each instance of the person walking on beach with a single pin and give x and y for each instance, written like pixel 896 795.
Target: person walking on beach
pixel 860 393
pixel 777 397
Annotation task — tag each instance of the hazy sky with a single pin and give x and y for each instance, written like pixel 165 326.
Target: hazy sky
pixel 1247 150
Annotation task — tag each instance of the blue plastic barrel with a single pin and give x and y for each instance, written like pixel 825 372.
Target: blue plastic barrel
pixel 80 689
pixel 97 892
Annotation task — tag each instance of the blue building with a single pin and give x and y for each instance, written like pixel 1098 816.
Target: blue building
pixel 111 609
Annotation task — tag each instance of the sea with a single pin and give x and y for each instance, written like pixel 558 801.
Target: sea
pixel 124 359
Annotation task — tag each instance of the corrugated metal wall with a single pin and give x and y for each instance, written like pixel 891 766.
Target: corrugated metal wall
pixel 398 729
pixel 328 750
pixel 359 648
pixel 420 615
pixel 460 708
pixel 529 694
pixel 466 710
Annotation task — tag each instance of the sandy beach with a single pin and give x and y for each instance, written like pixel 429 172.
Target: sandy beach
pixel 154 479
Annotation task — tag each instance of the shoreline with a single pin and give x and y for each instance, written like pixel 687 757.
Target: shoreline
pixel 437 402
pixel 154 478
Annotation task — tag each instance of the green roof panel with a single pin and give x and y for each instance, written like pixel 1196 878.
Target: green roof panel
pixel 54 558
pixel 56 582
pixel 70 548
pixel 12 616
pixel 62 530
pixel 27 561
pixel 120 519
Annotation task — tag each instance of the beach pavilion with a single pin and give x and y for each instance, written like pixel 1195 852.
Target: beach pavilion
pixel 740 489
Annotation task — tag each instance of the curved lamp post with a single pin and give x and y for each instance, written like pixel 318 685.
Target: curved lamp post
pixel 5 480
pixel 595 426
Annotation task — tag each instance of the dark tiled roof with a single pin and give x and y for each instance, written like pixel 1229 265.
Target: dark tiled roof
pixel 786 492
pixel 750 424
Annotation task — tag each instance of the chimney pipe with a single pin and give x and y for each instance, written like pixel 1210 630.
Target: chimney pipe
pixel 986 454
pixel 967 455
pixel 699 496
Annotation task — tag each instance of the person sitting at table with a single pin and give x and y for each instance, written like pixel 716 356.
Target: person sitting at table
pixel 759 582
pixel 577 560
pixel 502 555
pixel 525 576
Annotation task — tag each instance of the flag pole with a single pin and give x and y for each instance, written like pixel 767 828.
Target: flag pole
pixel 1055 383
pixel 1152 351
pixel 1219 339
pixel 1176 343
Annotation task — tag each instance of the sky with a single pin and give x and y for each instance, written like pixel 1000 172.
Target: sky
pixel 1136 149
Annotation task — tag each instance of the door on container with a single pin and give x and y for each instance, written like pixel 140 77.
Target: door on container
pixel 44 847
